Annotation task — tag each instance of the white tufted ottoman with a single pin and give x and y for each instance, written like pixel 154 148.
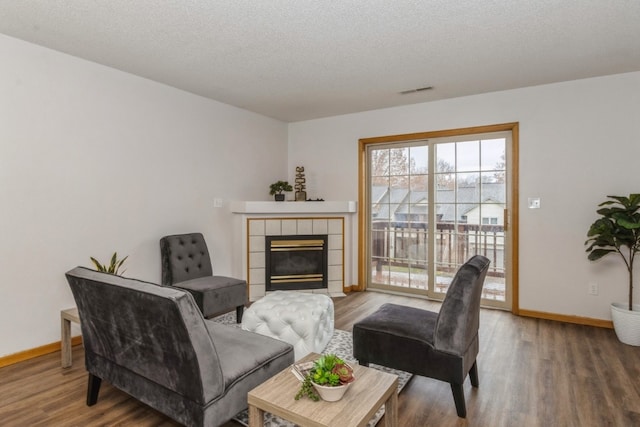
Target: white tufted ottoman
pixel 303 320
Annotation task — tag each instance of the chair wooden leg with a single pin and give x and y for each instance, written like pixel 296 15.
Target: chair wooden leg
pixel 93 388
pixel 473 374
pixel 239 312
pixel 458 398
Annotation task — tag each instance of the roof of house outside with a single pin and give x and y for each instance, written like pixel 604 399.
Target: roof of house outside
pixel 396 203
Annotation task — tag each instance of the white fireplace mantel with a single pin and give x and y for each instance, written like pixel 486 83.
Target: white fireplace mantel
pixel 257 219
pixel 261 207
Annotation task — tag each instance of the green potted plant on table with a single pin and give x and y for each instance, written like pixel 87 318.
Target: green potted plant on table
pixel 617 230
pixel 277 188
pixel 328 378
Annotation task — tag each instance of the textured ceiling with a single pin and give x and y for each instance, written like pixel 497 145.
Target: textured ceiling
pixel 302 59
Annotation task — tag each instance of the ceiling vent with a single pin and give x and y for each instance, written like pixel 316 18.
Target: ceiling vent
pixel 420 89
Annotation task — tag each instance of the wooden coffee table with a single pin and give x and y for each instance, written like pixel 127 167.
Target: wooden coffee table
pixel 370 390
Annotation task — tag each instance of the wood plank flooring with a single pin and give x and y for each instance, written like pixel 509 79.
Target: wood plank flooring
pixel 532 373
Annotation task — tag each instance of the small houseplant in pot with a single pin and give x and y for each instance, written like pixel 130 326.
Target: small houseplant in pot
pixel 618 231
pixel 328 379
pixel 113 267
pixel 277 188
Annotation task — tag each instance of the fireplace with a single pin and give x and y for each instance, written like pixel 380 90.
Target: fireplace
pixel 296 262
pixel 254 221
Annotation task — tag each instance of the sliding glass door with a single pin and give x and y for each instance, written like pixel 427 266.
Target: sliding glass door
pixel 432 203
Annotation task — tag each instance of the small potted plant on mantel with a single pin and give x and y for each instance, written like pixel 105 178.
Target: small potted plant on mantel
pixel 618 231
pixel 328 378
pixel 277 188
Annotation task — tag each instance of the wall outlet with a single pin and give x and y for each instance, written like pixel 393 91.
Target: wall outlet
pixel 217 203
pixel 534 202
pixel 593 288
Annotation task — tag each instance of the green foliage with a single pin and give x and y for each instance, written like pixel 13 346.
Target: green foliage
pixel 280 186
pixel 113 267
pixel 617 230
pixel 322 372
pixel 306 389
pixel 329 371
pixel 322 377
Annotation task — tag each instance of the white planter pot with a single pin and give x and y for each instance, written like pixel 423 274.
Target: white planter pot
pixel 331 394
pixel 626 323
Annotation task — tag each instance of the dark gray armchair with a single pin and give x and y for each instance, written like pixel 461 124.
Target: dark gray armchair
pixel 153 343
pixel 186 264
pixel 440 345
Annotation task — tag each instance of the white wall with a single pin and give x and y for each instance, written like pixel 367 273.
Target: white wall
pixel 94 160
pixel 579 141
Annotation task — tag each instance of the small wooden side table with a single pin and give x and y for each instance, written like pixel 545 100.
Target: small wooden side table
pixel 66 317
pixel 371 390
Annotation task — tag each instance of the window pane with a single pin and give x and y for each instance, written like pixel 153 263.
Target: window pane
pixel 468 191
pixel 419 160
pixel 445 157
pixel 468 156
pixel 379 253
pixel 419 183
pixel 493 154
pixel 446 265
pixel 492 190
pixel 399 161
pixel 418 277
pixel 445 213
pixel 379 191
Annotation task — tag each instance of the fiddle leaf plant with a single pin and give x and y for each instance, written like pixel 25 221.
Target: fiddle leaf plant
pixel 113 267
pixel 617 230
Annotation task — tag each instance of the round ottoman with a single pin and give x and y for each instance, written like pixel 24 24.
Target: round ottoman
pixel 304 320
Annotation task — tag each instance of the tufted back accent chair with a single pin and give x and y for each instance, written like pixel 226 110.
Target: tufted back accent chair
pixel 184 257
pixel 186 264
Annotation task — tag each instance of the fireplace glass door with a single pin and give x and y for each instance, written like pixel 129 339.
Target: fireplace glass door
pixel 296 262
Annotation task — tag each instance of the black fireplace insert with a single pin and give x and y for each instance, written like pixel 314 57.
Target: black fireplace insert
pixel 296 262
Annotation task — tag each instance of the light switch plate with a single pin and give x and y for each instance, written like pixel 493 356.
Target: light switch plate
pixel 534 203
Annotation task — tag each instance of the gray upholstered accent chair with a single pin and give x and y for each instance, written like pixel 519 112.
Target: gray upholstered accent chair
pixel 153 343
pixel 186 264
pixel 440 345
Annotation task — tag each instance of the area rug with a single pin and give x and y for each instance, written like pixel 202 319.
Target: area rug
pixel 341 344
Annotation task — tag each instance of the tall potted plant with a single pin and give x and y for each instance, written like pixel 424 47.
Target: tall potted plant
pixel 617 230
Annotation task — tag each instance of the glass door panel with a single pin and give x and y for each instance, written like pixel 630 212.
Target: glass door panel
pixel 471 201
pixel 399 196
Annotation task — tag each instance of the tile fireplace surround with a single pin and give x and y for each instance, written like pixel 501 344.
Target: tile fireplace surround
pixel 255 220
